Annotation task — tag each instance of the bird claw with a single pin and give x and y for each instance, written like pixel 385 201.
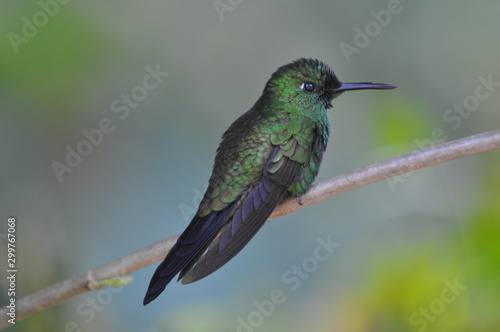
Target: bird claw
pixel 299 200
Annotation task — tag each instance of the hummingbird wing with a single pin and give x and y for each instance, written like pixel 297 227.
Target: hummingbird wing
pixel 223 235
pixel 278 174
pixel 239 200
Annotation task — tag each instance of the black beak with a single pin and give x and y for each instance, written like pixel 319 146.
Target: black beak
pixel 363 86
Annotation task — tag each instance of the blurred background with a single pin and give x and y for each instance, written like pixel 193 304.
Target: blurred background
pixel 155 84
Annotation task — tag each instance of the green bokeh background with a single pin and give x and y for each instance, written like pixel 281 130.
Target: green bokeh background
pixel 402 241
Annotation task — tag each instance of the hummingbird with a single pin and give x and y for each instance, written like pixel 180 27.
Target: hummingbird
pixel 272 151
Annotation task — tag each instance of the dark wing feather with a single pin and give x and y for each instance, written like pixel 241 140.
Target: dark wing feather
pixel 192 242
pixel 248 218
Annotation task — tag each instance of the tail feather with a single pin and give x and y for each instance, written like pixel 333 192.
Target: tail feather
pixel 190 245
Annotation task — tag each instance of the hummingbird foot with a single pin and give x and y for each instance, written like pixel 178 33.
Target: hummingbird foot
pixel 299 200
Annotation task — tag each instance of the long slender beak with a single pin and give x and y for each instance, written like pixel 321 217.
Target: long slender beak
pixel 363 86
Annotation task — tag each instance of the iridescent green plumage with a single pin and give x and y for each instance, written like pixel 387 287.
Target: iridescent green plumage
pixel 273 150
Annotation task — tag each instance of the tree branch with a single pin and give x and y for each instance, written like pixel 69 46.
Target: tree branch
pixel 136 260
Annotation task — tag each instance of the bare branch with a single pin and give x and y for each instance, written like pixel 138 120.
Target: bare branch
pixel 393 167
pixel 136 260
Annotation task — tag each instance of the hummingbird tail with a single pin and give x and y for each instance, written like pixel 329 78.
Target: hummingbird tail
pixel 189 246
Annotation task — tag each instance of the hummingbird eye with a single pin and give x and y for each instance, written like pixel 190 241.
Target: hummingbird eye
pixel 308 87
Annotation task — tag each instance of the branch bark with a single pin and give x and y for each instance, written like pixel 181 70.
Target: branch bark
pixel 136 260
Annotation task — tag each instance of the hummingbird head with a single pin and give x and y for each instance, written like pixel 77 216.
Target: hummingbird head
pixel 309 83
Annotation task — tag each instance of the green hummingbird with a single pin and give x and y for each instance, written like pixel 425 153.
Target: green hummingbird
pixel 271 151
